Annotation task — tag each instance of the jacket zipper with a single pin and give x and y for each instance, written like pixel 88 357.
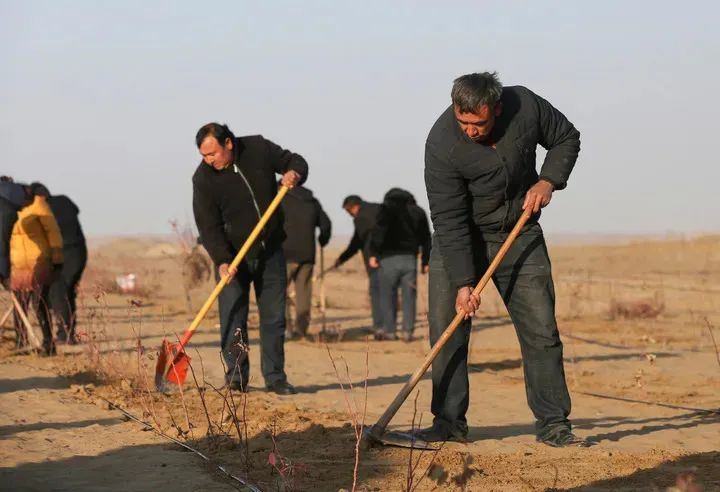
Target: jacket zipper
pixel 252 195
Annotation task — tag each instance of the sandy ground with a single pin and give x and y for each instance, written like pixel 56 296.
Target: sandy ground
pixel 647 390
pixel 52 441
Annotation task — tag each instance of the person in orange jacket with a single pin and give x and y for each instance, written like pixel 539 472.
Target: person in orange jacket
pixel 36 255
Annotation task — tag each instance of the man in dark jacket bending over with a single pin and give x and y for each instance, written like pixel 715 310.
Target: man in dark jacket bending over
pixel 232 188
pixel 364 216
pixel 480 174
pixel 303 214
pixel 402 231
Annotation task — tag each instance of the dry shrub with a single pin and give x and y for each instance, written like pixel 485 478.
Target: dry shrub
pixel 195 268
pixel 638 308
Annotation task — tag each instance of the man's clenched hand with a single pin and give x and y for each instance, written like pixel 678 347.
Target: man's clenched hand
pixel 290 179
pixel 538 196
pixel 466 302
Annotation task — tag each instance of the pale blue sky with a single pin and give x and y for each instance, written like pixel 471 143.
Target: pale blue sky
pixel 101 100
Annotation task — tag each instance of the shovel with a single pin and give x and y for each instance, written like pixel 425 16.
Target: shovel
pixel 376 434
pixel 173 362
pixel 332 334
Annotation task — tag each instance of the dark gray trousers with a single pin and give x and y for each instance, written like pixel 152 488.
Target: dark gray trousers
pixel 524 280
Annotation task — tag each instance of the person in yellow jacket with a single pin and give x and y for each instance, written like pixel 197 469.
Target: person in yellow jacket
pixel 36 253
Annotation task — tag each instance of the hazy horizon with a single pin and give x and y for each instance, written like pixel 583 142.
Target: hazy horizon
pixel 102 102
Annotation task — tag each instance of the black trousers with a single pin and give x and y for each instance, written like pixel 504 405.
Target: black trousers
pixel 269 277
pixel 524 280
pixel 63 291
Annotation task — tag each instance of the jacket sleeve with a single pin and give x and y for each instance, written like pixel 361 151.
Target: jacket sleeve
pixel 7 221
pixel 353 247
pixel 209 222
pixel 52 230
pixel 283 161
pixel 450 214
pixel 562 141
pixel 376 241
pixel 324 225
pixel 424 238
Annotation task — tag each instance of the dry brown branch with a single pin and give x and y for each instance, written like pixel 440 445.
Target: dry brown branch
pixel 710 328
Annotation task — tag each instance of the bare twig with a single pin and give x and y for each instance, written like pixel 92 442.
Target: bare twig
pixel 712 336
pixel 224 471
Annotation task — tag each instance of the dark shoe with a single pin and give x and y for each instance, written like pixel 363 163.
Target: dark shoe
pixel 564 438
pixel 241 386
pixel 63 339
pixel 48 350
pixel 381 335
pixel 440 433
pixel 282 388
pixel 291 336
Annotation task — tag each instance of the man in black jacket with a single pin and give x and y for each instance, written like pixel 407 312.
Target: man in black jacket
pixel 480 175
pixel 402 231
pixel 63 291
pixel 232 187
pixel 303 214
pixel 364 216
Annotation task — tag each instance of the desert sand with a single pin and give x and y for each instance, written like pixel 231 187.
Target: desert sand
pixel 636 319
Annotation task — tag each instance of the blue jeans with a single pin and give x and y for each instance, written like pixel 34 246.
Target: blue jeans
pixel 398 272
pixel 524 280
pixel 268 276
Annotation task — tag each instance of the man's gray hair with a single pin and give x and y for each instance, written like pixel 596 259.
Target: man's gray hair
pixel 473 90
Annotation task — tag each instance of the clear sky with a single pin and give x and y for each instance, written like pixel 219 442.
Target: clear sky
pixel 101 100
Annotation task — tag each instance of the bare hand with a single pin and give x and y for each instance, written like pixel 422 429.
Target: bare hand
pixel 225 270
pixel 290 179
pixel 466 302
pixel 538 196
pixel 425 269
pixel 373 262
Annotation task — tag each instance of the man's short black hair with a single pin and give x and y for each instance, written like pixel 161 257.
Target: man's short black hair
pixel 351 201
pixel 220 132
pixel 39 189
pixel 6 179
pixel 471 91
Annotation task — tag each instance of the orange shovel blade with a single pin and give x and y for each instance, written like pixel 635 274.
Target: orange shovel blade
pixel 172 365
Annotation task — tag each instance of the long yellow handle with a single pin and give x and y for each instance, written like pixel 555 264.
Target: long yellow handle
pixel 238 258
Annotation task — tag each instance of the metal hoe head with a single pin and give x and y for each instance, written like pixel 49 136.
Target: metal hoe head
pixel 172 366
pixel 375 436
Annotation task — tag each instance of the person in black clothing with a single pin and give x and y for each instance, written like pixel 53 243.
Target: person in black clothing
pixel 401 232
pixel 364 216
pixel 480 175
pixel 232 187
pixel 63 290
pixel 303 214
pixel 12 199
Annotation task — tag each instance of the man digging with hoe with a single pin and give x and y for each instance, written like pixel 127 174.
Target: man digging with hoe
pixel 485 197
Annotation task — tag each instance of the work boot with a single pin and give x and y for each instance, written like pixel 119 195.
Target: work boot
pixel 281 388
pixel 237 385
pixel 439 432
pixel 564 438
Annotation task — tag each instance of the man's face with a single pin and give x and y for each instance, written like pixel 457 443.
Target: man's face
pixel 353 210
pixel 216 155
pixel 478 125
